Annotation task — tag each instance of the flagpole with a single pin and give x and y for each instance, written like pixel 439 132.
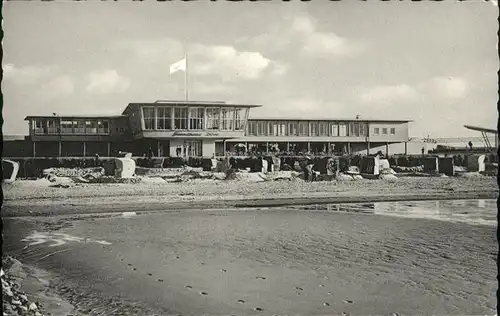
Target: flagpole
pixel 186 77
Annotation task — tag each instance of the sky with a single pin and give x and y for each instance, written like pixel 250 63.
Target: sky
pixel 431 62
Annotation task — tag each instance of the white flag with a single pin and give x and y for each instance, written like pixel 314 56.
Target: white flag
pixel 180 65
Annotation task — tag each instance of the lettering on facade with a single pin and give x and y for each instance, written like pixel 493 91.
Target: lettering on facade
pixel 191 134
pixel 185 134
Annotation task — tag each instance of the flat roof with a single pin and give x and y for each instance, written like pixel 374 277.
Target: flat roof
pixel 14 137
pixel 324 119
pixel 481 129
pixel 187 103
pixel 72 116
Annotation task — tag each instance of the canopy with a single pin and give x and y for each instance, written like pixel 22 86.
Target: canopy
pixel 481 129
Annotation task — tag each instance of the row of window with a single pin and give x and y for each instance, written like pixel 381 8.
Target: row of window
pixel 376 131
pixel 184 118
pixel 56 127
pixel 325 129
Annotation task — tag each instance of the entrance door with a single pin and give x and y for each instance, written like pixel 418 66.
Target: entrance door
pixel 192 148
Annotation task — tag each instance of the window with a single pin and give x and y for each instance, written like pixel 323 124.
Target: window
pixel 376 131
pixel 193 148
pixel 180 118
pixel 354 129
pixel 334 129
pixel 393 131
pixel 103 126
pixel 227 119
pixel 67 127
pixel 196 116
pixel 213 118
pixel 363 129
pixel 252 128
pixel 53 126
pixel 303 129
pixel 384 131
pixel 292 128
pixel 323 129
pixel 239 119
pixel 343 130
pixel 79 126
pixel 149 118
pixel 260 128
pixel 282 129
pixel 314 128
pixel 90 127
pixel 163 118
pixel 269 130
pixel 38 126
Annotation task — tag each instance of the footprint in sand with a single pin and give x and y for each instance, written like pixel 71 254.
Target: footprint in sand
pixel 149 274
pixel 189 287
pixel 159 280
pixel 177 257
pixel 321 285
pixel 129 264
pixel 134 269
pixel 329 293
pixel 299 288
pixel 203 293
pixel 261 278
pixel 348 301
pixel 258 309
pixel 223 270
pixel 326 304
pixel 241 301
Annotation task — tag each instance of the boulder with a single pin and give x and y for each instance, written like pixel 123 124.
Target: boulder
pixel 10 169
pixel 125 168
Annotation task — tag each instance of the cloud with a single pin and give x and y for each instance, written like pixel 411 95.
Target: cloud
pixel 57 87
pixel 300 34
pixel 227 62
pixel 436 88
pixel 389 94
pixel 106 82
pixel 446 87
pixel 28 75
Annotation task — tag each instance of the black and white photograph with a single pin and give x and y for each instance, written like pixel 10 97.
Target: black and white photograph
pixel 249 157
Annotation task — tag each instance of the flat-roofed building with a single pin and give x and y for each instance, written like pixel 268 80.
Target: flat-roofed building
pixel 168 128
pixel 203 129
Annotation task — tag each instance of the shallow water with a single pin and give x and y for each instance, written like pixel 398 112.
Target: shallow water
pixel 475 212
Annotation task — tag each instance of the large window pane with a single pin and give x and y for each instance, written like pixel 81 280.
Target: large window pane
pixel 91 127
pixel 260 128
pixel 303 128
pixel 103 126
pixel 292 129
pixel 38 126
pixel 149 118
pixel 227 119
pixel 213 118
pixel 164 118
pixel 196 118
pixel 314 129
pixel 79 126
pixel 67 127
pixel 334 129
pixel 343 129
pixel 53 126
pixel 252 128
pixel 180 118
pixel 323 129
pixel 239 115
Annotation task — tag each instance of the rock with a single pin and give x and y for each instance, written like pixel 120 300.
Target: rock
pixel 23 297
pixel 353 170
pixel 16 302
pixel 357 177
pixel 6 290
pixel 388 177
pixel 23 308
pixel 38 314
pixel 33 307
pixel 344 177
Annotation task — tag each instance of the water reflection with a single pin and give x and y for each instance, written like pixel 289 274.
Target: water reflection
pixel 478 212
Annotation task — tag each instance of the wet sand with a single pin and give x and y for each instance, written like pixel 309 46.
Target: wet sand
pixel 280 261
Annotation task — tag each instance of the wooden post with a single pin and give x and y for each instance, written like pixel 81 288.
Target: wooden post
pixel 406 148
pixel 84 149
pixel 34 149
pixel 109 149
pixel 368 147
pixel 60 148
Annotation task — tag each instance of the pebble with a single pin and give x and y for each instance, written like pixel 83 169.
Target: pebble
pixel 33 307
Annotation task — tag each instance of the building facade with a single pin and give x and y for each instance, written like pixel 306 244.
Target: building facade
pixel 202 129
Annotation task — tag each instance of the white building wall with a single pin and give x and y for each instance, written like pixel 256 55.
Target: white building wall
pixel 208 149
